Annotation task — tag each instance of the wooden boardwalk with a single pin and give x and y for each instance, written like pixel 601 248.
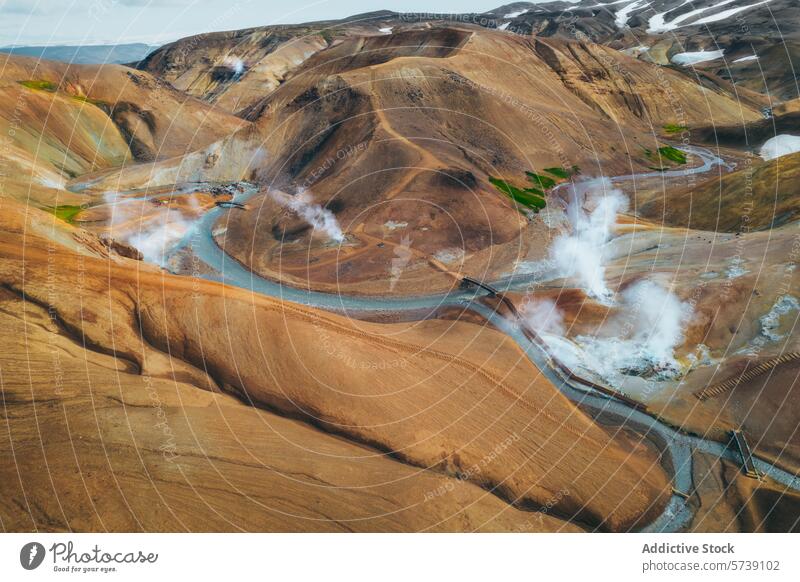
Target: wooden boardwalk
pixel 738 438
pixel 746 376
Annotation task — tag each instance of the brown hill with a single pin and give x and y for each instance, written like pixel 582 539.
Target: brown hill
pixel 205 65
pixel 406 129
pixel 460 402
pixel 657 30
pixel 136 399
pixel 748 136
pixel 233 70
pixel 67 120
pixel 759 196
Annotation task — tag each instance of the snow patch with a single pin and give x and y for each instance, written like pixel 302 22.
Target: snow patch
pixel 624 14
pixel 746 59
pixel 387 30
pixel 659 24
pixel 515 14
pixel 780 145
pixel 59 184
pixel 725 14
pixel 692 58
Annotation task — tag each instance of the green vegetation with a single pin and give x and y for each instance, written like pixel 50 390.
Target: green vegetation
pixel 563 173
pixel 672 128
pixel 539 181
pixel 66 212
pixel 327 34
pixel 534 198
pixel 665 152
pixel 672 154
pixel 89 100
pixel 531 198
pixel 40 85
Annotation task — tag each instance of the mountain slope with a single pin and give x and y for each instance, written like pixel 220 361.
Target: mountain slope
pixel 760 196
pixel 155 340
pixel 407 128
pixel 235 68
pixel 152 119
pixel 658 30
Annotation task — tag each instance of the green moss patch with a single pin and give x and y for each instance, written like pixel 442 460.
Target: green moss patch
pixel 531 198
pixel 563 173
pixel 663 153
pixel 40 85
pixel 89 100
pixel 539 181
pixel 534 198
pixel 325 33
pixel 672 154
pixel 671 128
pixel 66 212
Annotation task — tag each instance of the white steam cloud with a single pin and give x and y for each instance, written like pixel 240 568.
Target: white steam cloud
pixel 648 323
pixel 235 64
pixel 157 240
pixel 154 239
pixel 321 219
pixel 639 340
pixel 544 316
pixel 580 254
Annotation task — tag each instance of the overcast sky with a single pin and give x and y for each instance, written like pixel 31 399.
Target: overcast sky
pixel 34 22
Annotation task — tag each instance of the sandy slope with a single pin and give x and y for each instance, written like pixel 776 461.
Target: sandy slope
pixel 68 120
pixel 468 404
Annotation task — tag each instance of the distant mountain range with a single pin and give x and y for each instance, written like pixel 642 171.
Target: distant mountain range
pixel 86 55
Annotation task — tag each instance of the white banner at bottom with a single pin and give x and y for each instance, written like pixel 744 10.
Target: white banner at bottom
pixel 355 557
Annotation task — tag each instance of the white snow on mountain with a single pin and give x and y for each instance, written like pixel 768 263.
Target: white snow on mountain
pixel 780 145
pixel 692 58
pixel 624 14
pixel 725 14
pixel 658 23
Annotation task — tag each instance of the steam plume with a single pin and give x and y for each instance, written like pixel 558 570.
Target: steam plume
pixel 641 337
pixel 302 204
pixel 155 239
pixel 235 64
pixel 580 253
pixel 544 316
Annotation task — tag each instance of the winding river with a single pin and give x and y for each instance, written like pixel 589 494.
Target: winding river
pixel 676 444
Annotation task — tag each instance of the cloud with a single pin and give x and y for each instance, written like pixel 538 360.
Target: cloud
pixel 22 7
